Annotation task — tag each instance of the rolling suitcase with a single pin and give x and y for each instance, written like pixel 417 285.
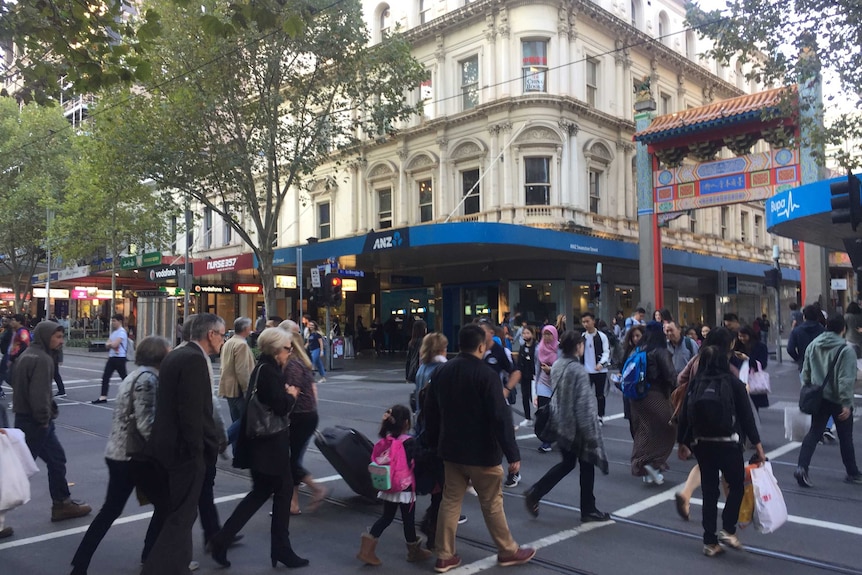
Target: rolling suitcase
pixel 349 452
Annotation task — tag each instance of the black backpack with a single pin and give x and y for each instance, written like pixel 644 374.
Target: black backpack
pixel 710 406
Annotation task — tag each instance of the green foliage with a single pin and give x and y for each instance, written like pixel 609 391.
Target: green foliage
pixel 247 102
pixel 90 44
pixel 36 153
pixel 107 205
pixel 786 43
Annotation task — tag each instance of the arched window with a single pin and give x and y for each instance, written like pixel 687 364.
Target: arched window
pixel 636 13
pixel 385 21
pixel 691 45
pixel 664 28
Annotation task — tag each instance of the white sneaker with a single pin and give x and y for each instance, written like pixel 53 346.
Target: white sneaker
pixel 526 423
pixel 653 474
pixel 472 490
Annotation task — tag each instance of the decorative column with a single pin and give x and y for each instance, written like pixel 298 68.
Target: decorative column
pixel 441 87
pixel 568 178
pixel 561 74
pixel 405 205
pixel 503 130
pixel 445 194
pixel 505 54
pixel 620 211
pixel 620 89
pixel 649 240
pixel 491 68
pixel 360 216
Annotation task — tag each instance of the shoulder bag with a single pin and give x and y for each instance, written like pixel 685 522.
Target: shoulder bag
pixel 811 396
pixel 544 425
pixel 758 381
pixel 135 440
pixel 261 421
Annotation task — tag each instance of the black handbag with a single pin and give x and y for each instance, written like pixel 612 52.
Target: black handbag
pixel 811 396
pixel 543 422
pixel 261 421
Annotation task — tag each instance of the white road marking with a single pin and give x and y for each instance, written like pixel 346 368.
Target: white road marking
pixel 124 520
pixel 804 521
pixel 626 512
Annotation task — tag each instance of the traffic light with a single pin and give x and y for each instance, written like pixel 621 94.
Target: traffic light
pixel 596 291
pixel 846 202
pixel 773 277
pixel 332 289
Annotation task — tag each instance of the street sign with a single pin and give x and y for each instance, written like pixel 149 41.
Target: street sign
pixel 839 284
pixel 315 277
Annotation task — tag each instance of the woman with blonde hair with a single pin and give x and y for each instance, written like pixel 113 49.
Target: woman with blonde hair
pixel 432 354
pixel 268 457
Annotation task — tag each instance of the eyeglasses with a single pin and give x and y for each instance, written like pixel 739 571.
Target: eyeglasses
pixel 288 349
pixel 220 333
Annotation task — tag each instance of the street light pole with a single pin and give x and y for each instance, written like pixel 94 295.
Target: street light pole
pixel 776 253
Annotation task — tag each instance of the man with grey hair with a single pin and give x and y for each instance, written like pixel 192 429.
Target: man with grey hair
pixel 184 437
pixel 237 363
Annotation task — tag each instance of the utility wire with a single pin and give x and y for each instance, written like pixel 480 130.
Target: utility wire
pixel 126 100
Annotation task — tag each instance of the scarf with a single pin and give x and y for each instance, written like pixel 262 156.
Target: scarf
pixel 575 413
pixel 548 351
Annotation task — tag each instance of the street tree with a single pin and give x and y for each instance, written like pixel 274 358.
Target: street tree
pixel 85 45
pixel 788 43
pixel 108 208
pixel 242 111
pixel 35 156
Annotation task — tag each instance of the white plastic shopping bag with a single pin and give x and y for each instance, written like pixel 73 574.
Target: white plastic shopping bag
pixel 796 424
pixel 770 511
pixel 14 484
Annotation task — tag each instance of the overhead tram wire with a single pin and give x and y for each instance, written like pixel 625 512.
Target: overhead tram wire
pixel 218 57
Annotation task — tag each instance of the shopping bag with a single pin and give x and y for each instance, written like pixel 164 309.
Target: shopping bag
pixel 746 509
pixel 14 485
pixel 770 511
pixel 796 424
pixel 744 371
pixel 758 381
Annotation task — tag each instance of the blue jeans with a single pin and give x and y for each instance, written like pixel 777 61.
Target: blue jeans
pixel 43 443
pixel 317 361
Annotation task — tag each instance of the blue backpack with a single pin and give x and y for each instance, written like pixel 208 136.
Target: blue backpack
pixel 633 376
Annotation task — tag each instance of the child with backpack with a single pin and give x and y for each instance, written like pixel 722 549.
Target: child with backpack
pixel 391 468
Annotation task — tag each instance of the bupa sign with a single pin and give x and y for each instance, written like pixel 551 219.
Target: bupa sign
pixel 387 240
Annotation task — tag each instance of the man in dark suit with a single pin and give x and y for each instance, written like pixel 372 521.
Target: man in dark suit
pixel 183 437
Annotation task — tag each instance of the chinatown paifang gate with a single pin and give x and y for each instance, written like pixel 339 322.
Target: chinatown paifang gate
pixel 677 170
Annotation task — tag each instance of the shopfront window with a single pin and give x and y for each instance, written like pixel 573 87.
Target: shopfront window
pixel 536 302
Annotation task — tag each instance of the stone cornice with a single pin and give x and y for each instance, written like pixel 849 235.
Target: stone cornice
pixel 475 13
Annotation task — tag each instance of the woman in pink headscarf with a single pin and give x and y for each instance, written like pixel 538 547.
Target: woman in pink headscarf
pixel 547 352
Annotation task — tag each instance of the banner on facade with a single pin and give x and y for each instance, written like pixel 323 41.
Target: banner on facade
pixel 222 265
pixel 731 181
pixel 164 274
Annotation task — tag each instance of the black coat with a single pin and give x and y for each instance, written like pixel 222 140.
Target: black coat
pixel 184 429
pixel 466 416
pixel 267 455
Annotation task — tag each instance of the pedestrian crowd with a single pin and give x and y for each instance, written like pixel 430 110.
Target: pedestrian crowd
pixel 699 389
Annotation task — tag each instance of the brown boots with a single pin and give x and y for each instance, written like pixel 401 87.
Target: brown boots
pixel 366 554
pixel 69 509
pixel 415 553
pixel 366 550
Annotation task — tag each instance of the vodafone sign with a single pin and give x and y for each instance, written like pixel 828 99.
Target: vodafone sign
pixel 221 265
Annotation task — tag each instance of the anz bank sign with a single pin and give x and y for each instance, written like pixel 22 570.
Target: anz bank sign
pixel 387 240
